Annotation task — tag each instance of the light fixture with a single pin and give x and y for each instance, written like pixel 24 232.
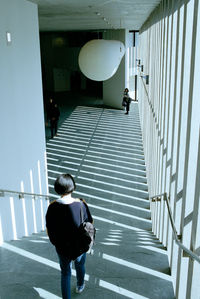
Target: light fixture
pixel 58 41
pixel 99 59
pixel 146 77
pixel 8 37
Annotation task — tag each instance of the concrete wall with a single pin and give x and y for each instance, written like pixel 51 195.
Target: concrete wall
pixel 22 159
pixel 113 88
pixel 170 119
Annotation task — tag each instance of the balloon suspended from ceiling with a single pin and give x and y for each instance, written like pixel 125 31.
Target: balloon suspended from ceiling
pixel 99 59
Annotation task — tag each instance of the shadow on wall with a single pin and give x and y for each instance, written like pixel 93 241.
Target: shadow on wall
pixel 22 214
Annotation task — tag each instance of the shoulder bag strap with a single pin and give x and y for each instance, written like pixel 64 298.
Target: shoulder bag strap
pixel 82 220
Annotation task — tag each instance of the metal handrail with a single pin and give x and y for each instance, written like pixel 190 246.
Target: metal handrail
pixel 188 252
pixel 21 194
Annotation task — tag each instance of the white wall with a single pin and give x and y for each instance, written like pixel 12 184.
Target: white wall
pixel 113 88
pixel 170 119
pixel 22 136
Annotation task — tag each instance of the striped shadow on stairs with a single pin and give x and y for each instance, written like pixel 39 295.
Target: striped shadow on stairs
pixel 103 150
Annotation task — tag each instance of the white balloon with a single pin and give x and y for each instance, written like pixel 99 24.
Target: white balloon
pixel 99 59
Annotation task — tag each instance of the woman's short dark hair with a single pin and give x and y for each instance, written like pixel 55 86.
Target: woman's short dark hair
pixel 64 184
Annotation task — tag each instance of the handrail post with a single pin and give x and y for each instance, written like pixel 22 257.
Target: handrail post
pixel 21 195
pixel 2 194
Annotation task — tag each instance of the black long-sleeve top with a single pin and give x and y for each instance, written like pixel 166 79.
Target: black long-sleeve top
pixel 62 221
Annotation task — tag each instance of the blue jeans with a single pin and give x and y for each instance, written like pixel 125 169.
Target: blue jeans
pixel 66 266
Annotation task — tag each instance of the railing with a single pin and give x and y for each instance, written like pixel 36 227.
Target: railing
pixel 22 194
pixel 187 252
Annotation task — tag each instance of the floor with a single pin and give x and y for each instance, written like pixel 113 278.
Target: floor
pixel 102 149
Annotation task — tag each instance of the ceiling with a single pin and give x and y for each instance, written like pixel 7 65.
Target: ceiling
pixel 68 15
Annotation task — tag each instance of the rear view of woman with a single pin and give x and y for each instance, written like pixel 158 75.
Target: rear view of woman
pixel 62 220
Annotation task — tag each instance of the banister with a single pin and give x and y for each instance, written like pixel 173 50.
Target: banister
pixel 21 194
pixel 186 251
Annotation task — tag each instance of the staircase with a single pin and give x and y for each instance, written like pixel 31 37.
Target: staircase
pixel 102 149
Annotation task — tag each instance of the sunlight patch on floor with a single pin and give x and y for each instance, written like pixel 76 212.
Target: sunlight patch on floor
pixel 45 294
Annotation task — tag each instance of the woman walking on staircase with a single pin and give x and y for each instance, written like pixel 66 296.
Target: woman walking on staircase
pixel 126 100
pixel 62 220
